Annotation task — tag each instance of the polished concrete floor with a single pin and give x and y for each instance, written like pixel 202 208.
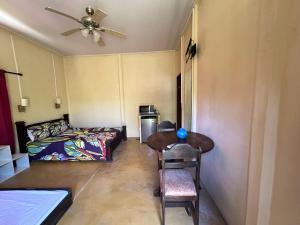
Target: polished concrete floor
pixel 118 193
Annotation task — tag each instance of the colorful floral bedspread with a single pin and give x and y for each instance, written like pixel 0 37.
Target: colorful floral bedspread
pixel 73 145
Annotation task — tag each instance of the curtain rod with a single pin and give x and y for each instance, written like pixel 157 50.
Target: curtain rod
pixel 18 74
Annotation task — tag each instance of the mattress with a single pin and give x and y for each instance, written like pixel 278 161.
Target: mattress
pixel 28 207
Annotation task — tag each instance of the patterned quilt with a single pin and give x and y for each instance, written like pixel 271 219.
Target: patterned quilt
pixel 73 145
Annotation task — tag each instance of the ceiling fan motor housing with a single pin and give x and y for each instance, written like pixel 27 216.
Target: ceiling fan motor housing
pixel 89 23
pixel 90 11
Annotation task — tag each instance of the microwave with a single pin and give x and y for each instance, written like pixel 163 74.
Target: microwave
pixel 143 109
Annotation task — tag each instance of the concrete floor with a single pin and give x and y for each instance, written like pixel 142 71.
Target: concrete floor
pixel 118 193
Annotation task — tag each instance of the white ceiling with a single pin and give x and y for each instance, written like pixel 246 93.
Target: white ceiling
pixel 151 25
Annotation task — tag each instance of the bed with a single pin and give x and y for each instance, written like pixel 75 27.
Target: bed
pixel 28 206
pixel 56 140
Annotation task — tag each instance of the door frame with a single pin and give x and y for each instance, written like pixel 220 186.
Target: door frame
pixel 178 102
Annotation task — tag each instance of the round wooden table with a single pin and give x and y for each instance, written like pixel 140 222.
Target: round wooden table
pixel 161 140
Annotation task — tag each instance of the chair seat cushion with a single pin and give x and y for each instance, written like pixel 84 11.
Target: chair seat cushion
pixel 178 182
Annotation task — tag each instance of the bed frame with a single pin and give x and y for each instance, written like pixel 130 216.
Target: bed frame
pixel 60 209
pixel 23 136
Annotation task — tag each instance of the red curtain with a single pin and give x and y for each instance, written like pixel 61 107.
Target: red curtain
pixel 6 127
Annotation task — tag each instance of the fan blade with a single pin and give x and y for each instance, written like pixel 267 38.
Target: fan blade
pixel 101 42
pixel 98 15
pixel 113 32
pixel 69 32
pixel 62 14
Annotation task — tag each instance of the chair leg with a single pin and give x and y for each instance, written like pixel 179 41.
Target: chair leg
pixel 163 215
pixel 197 212
pixel 187 209
pixel 163 212
pixel 194 214
pixel 158 162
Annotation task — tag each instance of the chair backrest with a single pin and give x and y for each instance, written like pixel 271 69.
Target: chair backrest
pixel 166 126
pixel 181 156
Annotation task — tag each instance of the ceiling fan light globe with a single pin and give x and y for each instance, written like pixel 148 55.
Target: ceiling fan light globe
pixel 96 36
pixel 85 32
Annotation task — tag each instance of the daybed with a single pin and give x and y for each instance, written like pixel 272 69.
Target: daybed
pixel 56 140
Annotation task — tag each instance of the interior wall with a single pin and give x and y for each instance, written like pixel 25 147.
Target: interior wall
pixel 248 83
pixel 285 198
pixel 186 77
pixel 149 78
pixel 272 192
pixel 93 90
pixel 105 88
pixel 271 66
pixel 227 36
pixel 178 60
pixel 37 83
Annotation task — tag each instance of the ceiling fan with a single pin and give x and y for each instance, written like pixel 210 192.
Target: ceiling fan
pixel 90 25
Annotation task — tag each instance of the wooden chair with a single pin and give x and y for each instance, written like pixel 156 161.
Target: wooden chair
pixel 166 126
pixel 178 187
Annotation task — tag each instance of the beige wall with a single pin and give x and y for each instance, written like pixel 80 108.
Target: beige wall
pixel 149 78
pixel 248 82
pixel 37 84
pixel 271 60
pixel 285 204
pixel 226 75
pixel 186 77
pixel 178 60
pixel 93 90
pixel 273 197
pixel 285 197
pixel 103 89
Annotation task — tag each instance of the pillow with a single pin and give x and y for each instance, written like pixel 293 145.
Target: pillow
pixel 64 126
pixel 97 129
pixel 38 132
pixel 58 127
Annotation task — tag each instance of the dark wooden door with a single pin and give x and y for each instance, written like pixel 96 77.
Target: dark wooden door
pixel 178 87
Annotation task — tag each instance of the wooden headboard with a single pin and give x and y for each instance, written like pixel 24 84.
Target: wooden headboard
pixel 22 131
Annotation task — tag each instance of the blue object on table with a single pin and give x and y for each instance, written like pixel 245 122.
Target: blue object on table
pixel 181 133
